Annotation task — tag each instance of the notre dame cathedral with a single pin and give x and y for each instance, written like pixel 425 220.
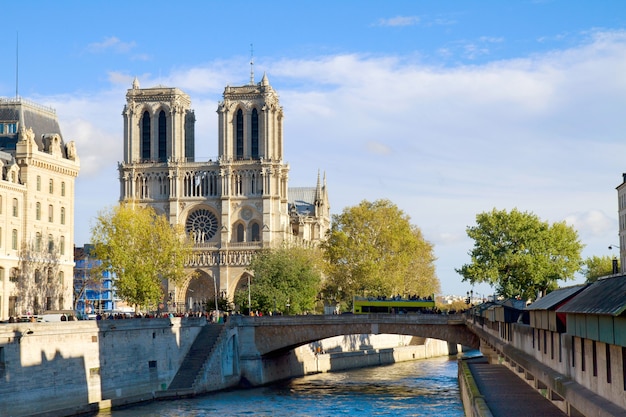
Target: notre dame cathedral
pixel 231 206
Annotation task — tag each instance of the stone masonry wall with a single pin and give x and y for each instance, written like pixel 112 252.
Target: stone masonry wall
pixel 86 365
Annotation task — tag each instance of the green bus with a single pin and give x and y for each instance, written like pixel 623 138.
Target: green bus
pixel 367 305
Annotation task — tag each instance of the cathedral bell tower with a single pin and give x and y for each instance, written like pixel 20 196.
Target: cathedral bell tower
pixel 251 123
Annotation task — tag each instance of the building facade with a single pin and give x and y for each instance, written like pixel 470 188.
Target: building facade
pixel 93 294
pixel 232 205
pixel 36 210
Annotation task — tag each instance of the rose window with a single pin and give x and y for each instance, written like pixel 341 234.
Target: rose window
pixel 201 225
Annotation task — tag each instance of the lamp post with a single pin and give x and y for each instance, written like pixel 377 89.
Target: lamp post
pixel 614 265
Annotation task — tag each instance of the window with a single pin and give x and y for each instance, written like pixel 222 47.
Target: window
pixel 50 275
pixel 255 134
pixel 15 207
pixel 12 128
pixel 240 232
pixel 38 211
pixel 61 281
pixel 162 136
pixel 38 242
pixel 14 239
pixel 255 232
pixel 583 362
pixel 62 245
pixel 51 186
pixel 38 183
pixel 1 274
pixel 145 136
pixel 63 189
pixel 37 276
pixel 50 213
pixel 15 273
pixel 239 134
pixel 50 244
pixel 62 215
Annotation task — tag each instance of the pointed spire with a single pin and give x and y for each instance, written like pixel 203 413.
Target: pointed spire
pixel 318 189
pixel 251 65
pixel 265 81
pixel 135 84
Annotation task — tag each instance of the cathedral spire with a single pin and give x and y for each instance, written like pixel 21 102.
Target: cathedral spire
pixel 318 189
pixel 251 65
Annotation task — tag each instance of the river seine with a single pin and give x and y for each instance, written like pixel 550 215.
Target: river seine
pixel 419 388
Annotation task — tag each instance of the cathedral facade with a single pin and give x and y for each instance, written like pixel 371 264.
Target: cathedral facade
pixel 37 174
pixel 232 206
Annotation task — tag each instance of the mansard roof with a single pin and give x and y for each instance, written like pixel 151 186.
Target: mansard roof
pixel 556 297
pixel 606 296
pixel 43 120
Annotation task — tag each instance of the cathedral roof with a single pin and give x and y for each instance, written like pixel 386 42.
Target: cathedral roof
pixel 303 200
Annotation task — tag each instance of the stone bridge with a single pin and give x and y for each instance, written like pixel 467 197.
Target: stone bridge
pixel 275 335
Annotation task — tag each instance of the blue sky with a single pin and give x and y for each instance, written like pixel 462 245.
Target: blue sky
pixel 447 108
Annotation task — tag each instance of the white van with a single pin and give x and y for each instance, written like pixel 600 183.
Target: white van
pixel 57 315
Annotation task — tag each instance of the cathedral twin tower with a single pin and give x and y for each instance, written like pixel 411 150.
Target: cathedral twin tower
pixel 231 207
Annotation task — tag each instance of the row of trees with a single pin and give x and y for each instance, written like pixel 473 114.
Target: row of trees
pixel 372 249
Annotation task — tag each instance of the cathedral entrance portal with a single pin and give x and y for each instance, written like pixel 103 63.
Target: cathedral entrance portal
pixel 201 293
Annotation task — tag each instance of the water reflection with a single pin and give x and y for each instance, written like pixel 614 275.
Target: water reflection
pixel 419 388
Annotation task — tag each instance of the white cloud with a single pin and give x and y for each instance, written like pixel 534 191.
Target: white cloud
pixel 112 43
pixel 399 21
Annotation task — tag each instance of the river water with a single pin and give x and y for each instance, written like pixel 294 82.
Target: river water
pixel 418 388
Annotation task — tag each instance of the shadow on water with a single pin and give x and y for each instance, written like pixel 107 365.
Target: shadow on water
pixel 419 388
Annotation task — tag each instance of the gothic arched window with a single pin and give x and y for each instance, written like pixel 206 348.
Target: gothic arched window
pixel 254 148
pixel 240 232
pixel 256 236
pixel 239 134
pixel 162 136
pixel 145 136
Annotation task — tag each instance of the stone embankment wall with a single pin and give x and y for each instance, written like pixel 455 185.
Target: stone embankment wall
pixel 56 369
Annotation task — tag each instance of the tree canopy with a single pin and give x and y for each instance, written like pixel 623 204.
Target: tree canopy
pixel 286 280
pixel 521 255
pixel 142 250
pixel 596 267
pixel 372 249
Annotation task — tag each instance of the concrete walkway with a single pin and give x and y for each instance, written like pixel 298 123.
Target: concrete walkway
pixel 508 395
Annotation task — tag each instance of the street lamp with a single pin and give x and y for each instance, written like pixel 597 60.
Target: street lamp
pixel 614 263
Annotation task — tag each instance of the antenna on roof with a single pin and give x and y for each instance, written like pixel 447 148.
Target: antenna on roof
pixel 17 63
pixel 251 65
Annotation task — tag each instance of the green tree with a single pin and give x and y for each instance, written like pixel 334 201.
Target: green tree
pixel 142 249
pixel 520 255
pixel 286 280
pixel 596 267
pixel 372 249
